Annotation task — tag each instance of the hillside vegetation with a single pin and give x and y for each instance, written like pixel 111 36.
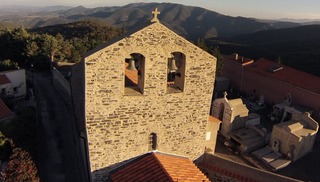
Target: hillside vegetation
pixel 188 21
pixel 297 47
pixel 65 42
pixel 85 28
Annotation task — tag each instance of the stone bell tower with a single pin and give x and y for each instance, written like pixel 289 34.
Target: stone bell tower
pixel 148 90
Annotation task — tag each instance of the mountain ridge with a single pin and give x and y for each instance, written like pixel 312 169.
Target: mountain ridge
pixel 297 47
pixel 188 21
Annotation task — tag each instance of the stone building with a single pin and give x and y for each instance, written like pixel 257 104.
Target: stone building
pixel 148 90
pixel 13 84
pixel 295 138
pixel 289 141
pixel 274 81
pixel 232 114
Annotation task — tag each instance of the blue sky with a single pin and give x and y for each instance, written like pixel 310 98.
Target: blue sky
pixel 271 9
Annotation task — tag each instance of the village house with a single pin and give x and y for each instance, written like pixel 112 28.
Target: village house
pixel 13 84
pixel 149 90
pixel 274 81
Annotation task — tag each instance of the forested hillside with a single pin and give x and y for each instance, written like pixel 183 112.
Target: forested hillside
pixel 65 42
pixel 188 21
pixel 297 47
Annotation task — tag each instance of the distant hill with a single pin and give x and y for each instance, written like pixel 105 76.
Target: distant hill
pixel 188 21
pixel 298 47
pixel 82 29
pixel 294 44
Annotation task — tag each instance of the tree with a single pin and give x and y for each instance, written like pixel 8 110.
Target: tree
pixel 213 51
pixel 20 168
pixel 13 44
pixel 216 53
pixel 5 148
pixel 200 43
pixel 50 45
pixel 8 65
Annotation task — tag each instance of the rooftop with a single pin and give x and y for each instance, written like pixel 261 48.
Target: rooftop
pixel 297 128
pixel 213 119
pixel 4 79
pixel 286 74
pixel 157 166
pixel 5 112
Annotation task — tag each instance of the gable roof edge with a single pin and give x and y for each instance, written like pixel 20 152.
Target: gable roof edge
pixel 140 28
pixel 116 39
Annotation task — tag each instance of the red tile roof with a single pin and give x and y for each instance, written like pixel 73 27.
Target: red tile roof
pixel 286 74
pixel 5 112
pixel 238 59
pixel 4 79
pixel 159 167
pixel 214 119
pixel 131 77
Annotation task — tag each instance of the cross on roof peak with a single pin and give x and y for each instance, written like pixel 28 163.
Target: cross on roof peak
pixel 155 15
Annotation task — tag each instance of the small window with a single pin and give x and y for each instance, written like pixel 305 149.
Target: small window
pixel 134 74
pixel 153 141
pixel 15 90
pixel 176 72
pixel 3 91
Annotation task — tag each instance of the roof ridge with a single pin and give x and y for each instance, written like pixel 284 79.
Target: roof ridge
pixel 170 154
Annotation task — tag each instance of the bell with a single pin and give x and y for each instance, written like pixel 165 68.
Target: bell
pixel 131 65
pixel 172 65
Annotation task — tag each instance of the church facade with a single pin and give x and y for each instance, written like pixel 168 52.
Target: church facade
pixel 148 90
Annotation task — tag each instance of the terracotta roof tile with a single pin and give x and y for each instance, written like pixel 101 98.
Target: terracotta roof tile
pixel 5 112
pixel 214 119
pixel 145 168
pixel 4 79
pixel 131 77
pixel 286 74
pixel 159 167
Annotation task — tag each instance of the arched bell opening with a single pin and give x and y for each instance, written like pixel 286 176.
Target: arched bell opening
pixel 134 74
pixel 176 72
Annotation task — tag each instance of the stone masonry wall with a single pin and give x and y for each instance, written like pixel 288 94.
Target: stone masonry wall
pixel 118 126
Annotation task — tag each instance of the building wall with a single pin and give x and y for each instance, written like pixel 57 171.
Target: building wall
pixel 211 135
pixel 232 118
pixel 226 115
pixel 274 90
pixel 233 71
pixel 303 144
pixel 220 169
pixel 7 89
pixel 62 85
pixel 18 81
pixel 118 126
